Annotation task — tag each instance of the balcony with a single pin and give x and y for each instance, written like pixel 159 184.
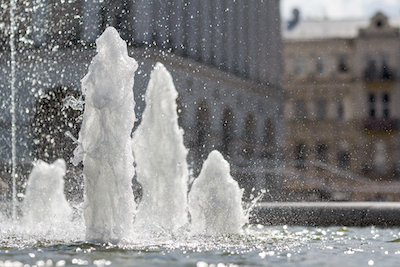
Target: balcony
pixel 380 125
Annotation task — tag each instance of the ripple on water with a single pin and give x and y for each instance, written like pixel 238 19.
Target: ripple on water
pixel 256 245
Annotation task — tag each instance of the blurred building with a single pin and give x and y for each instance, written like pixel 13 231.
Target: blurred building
pixel 224 56
pixel 342 113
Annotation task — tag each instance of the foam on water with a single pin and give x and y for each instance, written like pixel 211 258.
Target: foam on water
pixel 105 142
pixel 160 157
pixel 215 199
pixel 45 205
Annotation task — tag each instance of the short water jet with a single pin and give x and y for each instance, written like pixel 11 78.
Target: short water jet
pixel 45 204
pixel 215 199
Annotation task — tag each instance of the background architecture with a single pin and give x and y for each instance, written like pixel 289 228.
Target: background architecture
pixel 342 130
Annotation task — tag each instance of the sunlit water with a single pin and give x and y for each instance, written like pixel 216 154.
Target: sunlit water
pixel 271 246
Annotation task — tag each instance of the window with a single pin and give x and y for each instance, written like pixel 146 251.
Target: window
pixel 320 66
pixel 321 109
pixel 372 105
pixel 387 73
pixel 300 156
pixel 269 134
pixel 371 71
pixel 227 131
pixel 381 103
pixel 344 160
pixel 180 111
pixel 269 138
pixel 386 102
pixel 340 111
pixel 299 67
pixel 51 122
pixel 342 66
pixel 322 153
pixel 300 109
pixel 250 138
pixel 203 125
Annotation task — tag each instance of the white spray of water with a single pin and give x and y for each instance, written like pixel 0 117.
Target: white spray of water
pixel 105 142
pixel 215 199
pixel 45 205
pixel 160 157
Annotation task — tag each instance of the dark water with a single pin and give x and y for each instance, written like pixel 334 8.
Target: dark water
pixel 257 246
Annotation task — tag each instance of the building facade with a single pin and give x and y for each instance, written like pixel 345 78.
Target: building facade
pixel 224 56
pixel 342 81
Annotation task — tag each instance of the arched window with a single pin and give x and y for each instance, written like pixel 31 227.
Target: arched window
pixel 343 159
pixel 66 22
pixel 202 128
pixel 227 131
pixel 118 15
pixel 250 135
pixel 300 155
pixel 269 138
pixel 180 111
pixel 51 122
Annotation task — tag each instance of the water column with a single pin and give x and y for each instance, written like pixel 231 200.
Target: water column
pixel 13 115
pixel 104 143
pixel 160 157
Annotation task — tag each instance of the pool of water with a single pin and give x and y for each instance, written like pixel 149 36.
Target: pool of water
pixel 256 246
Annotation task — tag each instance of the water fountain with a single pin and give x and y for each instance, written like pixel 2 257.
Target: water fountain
pixel 45 204
pixel 104 140
pixel 160 158
pixel 217 218
pixel 215 197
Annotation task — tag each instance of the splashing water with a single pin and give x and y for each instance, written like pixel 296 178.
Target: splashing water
pixel 215 199
pixel 106 149
pixel 105 142
pixel 160 157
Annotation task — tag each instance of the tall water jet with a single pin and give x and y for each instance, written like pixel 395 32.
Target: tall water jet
pixel 13 65
pixel 45 204
pixel 160 157
pixel 104 143
pixel 215 199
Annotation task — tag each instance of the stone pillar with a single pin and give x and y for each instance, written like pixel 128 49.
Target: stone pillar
pixel 230 42
pixel 217 32
pixel 205 30
pixel 160 17
pixel 176 25
pixel 40 16
pixel 143 21
pixel 192 28
pixel 240 36
pixel 91 20
pixel 252 46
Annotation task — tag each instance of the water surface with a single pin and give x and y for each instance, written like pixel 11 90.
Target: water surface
pixel 256 246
